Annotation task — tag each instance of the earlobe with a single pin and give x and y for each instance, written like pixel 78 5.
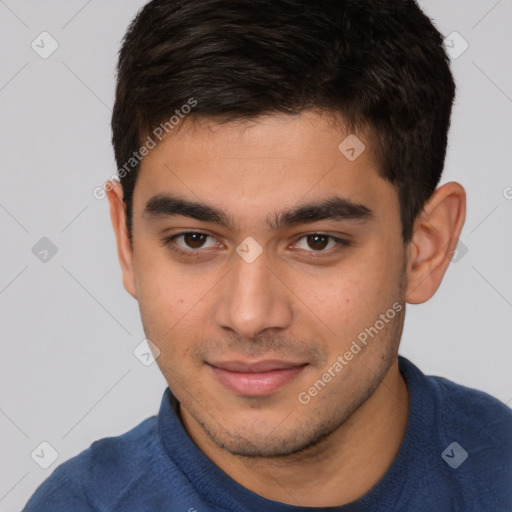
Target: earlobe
pixel 124 249
pixel 436 233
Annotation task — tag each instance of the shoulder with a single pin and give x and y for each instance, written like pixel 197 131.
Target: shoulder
pixel 61 491
pixel 121 457
pixel 458 407
pixel 95 477
pixel 471 411
pixel 463 438
pixel 474 434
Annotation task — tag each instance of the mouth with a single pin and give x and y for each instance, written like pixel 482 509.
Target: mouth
pixel 260 378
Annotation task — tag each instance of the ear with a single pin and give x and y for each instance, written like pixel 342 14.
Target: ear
pixel 434 240
pixel 124 249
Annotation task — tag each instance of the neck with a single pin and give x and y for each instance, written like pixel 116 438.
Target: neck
pixel 340 469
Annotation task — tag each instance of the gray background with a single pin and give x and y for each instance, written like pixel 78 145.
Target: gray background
pixel 68 375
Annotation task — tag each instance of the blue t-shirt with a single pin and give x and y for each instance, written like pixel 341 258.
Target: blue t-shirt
pixel 456 455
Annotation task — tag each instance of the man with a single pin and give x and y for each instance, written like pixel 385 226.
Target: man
pixel 277 208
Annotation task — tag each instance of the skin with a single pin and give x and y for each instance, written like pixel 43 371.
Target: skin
pixel 286 304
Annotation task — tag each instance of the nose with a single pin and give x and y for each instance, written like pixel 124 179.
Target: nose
pixel 254 297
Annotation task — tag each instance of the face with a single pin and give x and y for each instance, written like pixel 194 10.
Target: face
pixel 268 268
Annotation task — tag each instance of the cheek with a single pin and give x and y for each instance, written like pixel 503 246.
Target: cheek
pixel 173 304
pixel 353 295
pixel 380 266
pixel 161 293
pixel 164 290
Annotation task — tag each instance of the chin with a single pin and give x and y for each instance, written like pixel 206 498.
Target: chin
pixel 283 436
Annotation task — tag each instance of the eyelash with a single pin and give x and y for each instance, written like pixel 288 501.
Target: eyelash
pixel 169 242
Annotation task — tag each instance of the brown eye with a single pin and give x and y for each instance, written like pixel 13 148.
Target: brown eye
pixel 194 240
pixel 318 242
pixel 191 243
pixel 321 243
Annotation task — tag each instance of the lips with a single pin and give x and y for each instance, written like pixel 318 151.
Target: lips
pixel 260 378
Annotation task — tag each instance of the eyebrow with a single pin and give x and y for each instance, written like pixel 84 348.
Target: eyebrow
pixel 332 208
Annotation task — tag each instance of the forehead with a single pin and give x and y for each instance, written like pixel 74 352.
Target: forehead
pixel 304 137
pixel 258 165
